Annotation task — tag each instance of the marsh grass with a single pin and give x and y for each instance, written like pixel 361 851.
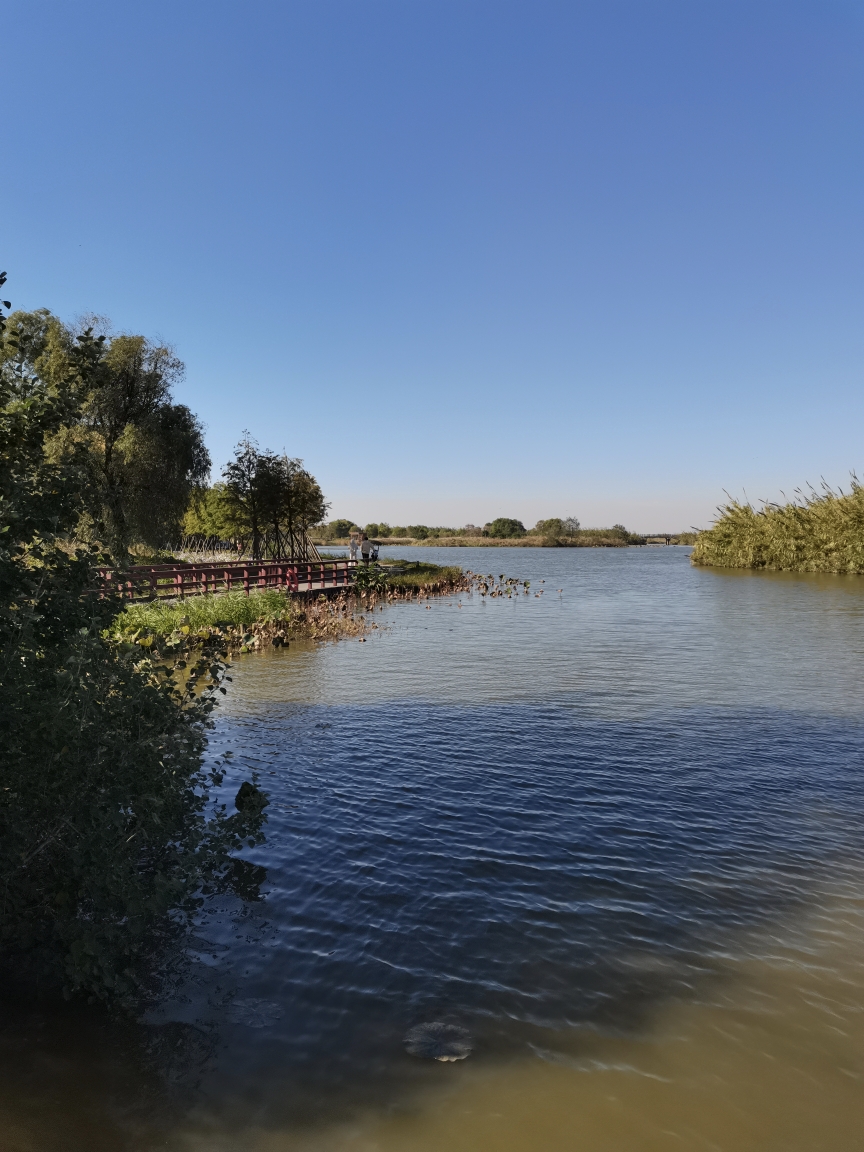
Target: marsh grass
pixel 423 575
pixel 818 532
pixel 231 609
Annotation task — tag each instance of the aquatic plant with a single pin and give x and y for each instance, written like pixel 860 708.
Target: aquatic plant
pixel 820 531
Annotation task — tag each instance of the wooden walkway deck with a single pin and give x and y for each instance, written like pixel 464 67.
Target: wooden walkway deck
pixel 176 581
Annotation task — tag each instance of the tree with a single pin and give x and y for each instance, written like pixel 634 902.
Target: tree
pixel 207 514
pixel 552 529
pixel 163 460
pixel 145 453
pixel 107 830
pixel 272 499
pixel 339 529
pixel 244 496
pixel 504 527
pixel 148 453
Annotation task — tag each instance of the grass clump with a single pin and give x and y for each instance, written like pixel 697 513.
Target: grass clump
pixel 421 575
pixel 231 609
pixel 819 532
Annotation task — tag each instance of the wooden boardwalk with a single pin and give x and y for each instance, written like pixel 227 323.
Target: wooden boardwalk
pixel 176 581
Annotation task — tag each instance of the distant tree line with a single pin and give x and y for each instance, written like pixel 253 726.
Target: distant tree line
pixel 554 529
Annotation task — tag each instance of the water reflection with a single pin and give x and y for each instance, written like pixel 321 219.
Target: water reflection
pixel 614 832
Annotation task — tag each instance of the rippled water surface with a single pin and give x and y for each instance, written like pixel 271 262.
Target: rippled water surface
pixel 613 830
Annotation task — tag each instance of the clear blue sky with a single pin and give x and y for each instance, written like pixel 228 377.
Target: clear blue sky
pixel 467 259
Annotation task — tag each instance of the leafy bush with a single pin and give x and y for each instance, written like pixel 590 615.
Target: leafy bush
pixel 108 836
pixel 339 529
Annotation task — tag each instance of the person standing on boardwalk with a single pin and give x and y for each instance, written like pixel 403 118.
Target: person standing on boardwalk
pixel 353 547
pixel 365 548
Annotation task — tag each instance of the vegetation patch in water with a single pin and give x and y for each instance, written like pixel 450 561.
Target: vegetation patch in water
pixel 820 532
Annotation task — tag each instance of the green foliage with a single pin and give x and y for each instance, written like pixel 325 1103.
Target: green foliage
pixel 107 832
pixel 208 513
pixel 369 578
pixel 269 495
pixel 418 531
pixel 340 529
pixel 821 532
pixel 144 453
pixel 505 528
pixel 421 575
pixel 162 617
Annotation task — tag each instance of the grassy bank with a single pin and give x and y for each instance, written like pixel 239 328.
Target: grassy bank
pixel 246 623
pixel 822 532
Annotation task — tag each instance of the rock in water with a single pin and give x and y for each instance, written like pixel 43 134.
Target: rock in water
pixel 438 1041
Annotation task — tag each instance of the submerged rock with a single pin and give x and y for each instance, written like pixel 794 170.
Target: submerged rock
pixel 436 1041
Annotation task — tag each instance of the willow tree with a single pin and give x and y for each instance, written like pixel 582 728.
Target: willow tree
pixel 145 453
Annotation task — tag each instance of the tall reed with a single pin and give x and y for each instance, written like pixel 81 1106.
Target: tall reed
pixel 821 531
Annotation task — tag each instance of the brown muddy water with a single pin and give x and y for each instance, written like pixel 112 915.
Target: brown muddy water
pixel 613 831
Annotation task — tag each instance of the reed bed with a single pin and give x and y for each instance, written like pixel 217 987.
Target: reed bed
pixel 820 531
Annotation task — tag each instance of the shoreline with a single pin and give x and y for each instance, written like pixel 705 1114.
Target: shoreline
pixel 494 542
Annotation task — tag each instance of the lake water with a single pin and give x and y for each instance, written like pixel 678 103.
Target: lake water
pixel 613 830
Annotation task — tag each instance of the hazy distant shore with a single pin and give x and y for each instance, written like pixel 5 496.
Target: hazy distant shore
pixel 584 540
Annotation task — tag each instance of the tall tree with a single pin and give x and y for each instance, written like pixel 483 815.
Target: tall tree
pixel 274 499
pixel 145 452
pixel 245 498
pixel 148 453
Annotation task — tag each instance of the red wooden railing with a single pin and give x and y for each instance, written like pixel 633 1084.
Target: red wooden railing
pixel 170 581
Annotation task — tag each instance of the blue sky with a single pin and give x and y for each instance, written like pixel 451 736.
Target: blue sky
pixel 467 259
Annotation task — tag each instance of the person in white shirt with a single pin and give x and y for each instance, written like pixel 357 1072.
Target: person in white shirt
pixel 353 547
pixel 365 548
